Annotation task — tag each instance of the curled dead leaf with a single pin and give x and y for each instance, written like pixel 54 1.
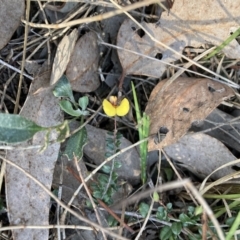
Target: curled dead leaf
pixel 62 56
pixel 173 109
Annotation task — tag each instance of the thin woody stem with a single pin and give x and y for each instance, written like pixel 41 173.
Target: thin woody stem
pixel 121 80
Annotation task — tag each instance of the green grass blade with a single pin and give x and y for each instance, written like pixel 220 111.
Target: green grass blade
pixel 224 44
pixel 234 227
pixel 143 131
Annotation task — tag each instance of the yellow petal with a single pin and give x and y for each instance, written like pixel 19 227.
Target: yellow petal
pixel 108 108
pixel 123 108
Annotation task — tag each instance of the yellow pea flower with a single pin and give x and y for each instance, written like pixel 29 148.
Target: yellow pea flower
pixel 111 107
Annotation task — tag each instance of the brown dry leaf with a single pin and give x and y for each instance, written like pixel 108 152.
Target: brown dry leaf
pixel 28 203
pixel 62 56
pixel 202 155
pixel 11 12
pixel 184 101
pixel 189 23
pixel 82 68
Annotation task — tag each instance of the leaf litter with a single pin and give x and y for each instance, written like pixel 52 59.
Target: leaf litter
pixel 27 203
pixel 212 23
pixel 171 110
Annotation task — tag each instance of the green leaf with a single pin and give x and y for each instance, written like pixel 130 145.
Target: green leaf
pixel 97 194
pixel 155 197
pixel 76 143
pixel 107 199
pixel 112 222
pixel 169 206
pixel 195 236
pixel 103 179
pixel 114 176
pixel 191 211
pixel 63 89
pixel 83 102
pixel 185 219
pixel 230 221
pixel 162 214
pixel 176 228
pixel 169 173
pixel 15 128
pixel 108 154
pixel 106 168
pixel 144 208
pixel 89 204
pixel 165 233
pixel 67 107
pixel 198 210
pixel 117 164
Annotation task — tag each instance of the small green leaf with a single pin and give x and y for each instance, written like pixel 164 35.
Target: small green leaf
pixel 114 176
pixel 76 143
pixel 15 128
pixel 112 222
pixel 195 236
pixel 107 199
pixel 97 194
pixel 162 214
pixel 89 204
pixel 83 102
pixel 198 210
pixel 230 221
pixel 169 173
pixel 165 233
pixel 191 211
pixel 176 228
pixel 106 168
pixel 155 197
pixel 103 179
pixel 144 208
pixel 117 164
pixel 169 206
pixel 161 209
pixel 108 154
pixel 63 89
pixel 184 218
pixel 67 107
